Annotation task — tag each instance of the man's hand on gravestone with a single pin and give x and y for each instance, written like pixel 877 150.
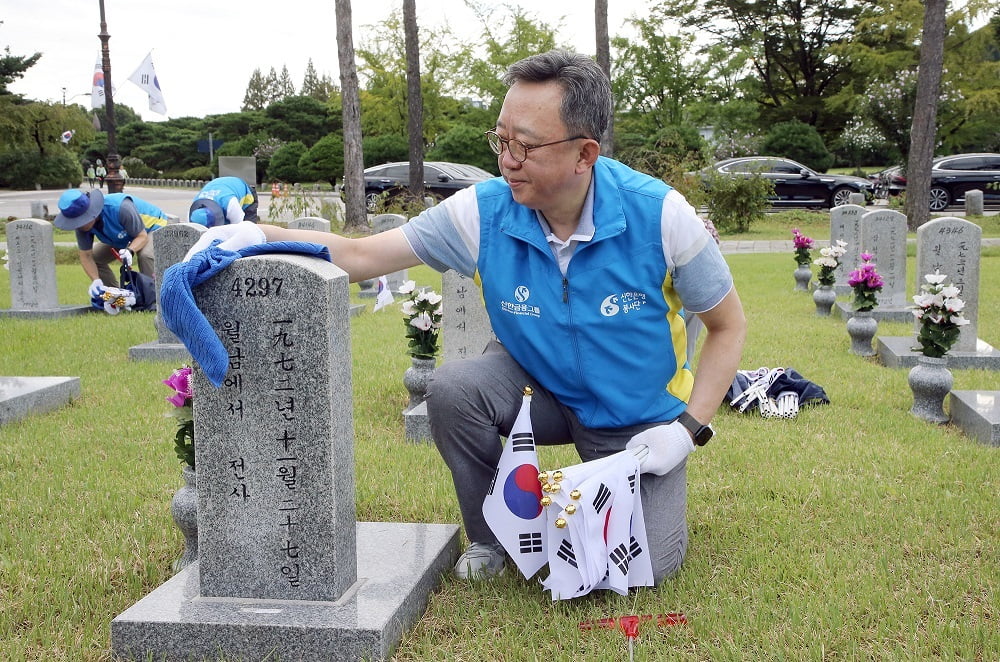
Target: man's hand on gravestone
pixel 96 288
pixel 231 237
pixel 668 446
pixel 125 255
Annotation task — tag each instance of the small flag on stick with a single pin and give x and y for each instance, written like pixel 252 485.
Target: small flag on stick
pixel 97 89
pixel 384 295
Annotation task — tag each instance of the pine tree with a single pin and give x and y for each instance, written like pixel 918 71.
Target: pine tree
pixel 256 97
pixel 285 86
pixel 310 82
pixel 271 87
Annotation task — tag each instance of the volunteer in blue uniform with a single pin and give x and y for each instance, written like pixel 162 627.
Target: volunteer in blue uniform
pixel 587 269
pixel 121 222
pixel 223 201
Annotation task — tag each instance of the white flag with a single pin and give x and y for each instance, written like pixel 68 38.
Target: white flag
pixel 97 91
pixel 145 77
pixel 512 507
pixel 384 295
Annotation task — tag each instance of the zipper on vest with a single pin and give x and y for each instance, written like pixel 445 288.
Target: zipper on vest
pixel 565 290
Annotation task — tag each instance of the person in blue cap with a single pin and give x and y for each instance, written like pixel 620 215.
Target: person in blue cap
pixel 223 201
pixel 121 222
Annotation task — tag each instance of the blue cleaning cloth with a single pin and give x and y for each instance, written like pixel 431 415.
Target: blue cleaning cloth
pixel 180 312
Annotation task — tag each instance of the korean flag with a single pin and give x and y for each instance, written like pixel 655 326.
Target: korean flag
pixel 512 507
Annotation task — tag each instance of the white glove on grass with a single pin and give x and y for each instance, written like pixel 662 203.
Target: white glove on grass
pixel 96 288
pixel 668 446
pixel 125 255
pixel 232 237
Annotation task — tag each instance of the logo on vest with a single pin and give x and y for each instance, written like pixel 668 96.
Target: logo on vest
pixel 625 302
pixel 519 307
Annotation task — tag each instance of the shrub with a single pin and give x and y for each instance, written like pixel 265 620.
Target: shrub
pixel 736 203
pixel 385 149
pixel 136 167
pixel 284 164
pixel 463 144
pixel 24 169
pixel 204 173
pixel 324 160
pixel 799 141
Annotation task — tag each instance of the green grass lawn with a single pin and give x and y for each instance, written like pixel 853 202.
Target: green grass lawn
pixel 854 531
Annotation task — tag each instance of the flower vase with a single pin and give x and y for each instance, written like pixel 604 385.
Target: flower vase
pixel 931 381
pixel 802 277
pixel 824 297
pixel 415 379
pixel 861 327
pixel 184 508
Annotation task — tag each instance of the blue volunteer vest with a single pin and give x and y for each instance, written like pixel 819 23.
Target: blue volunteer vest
pixel 224 189
pixel 608 339
pixel 111 230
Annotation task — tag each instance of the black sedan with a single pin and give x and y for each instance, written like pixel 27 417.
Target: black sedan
pixel 951 178
pixel 441 179
pixel 795 185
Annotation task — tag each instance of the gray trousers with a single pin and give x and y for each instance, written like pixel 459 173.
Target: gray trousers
pixel 473 402
pixel 144 262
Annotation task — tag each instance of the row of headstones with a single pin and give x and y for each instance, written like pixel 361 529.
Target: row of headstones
pixel 949 245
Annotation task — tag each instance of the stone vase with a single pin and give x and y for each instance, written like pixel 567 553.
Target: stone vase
pixel 415 379
pixel 184 508
pixel 931 381
pixel 803 274
pixel 824 296
pixel 861 327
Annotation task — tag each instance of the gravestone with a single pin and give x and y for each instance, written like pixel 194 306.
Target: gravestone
pixel 170 244
pixel 977 413
pixel 883 235
pixel 24 396
pixel 310 223
pixel 974 203
pixel 845 225
pixel 284 570
pixel 856 198
pixel 244 167
pixel 384 222
pixel 952 246
pixel 32 263
pixel 465 326
pixel 39 209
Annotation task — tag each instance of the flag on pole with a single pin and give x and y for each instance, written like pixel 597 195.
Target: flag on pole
pixel 384 295
pixel 512 507
pixel 97 91
pixel 145 77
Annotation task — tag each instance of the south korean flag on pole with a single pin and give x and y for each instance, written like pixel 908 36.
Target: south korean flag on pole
pixel 512 506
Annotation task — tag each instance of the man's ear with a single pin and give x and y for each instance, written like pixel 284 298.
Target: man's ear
pixel 589 151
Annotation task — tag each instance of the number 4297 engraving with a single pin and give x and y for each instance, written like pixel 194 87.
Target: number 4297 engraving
pixel 256 287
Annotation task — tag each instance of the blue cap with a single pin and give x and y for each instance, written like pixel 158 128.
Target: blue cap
pixel 77 208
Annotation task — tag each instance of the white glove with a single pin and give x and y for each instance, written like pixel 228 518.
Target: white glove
pixel 96 288
pixel 125 255
pixel 232 237
pixel 668 446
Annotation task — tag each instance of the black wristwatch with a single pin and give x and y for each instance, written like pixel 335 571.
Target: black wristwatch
pixel 700 433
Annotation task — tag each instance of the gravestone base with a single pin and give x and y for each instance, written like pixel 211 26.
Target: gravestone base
pixel 67 310
pixel 895 352
pixel 159 351
pixel 398 567
pixel 417 424
pixel 880 314
pixel 978 414
pixel 20 396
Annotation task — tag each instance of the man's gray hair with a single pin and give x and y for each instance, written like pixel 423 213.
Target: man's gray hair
pixel 587 104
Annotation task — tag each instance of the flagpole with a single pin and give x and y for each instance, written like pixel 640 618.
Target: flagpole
pixel 114 179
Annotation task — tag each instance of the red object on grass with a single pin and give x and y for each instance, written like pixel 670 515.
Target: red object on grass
pixel 629 625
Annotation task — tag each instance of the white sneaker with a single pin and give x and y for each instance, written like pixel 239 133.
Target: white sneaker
pixel 481 561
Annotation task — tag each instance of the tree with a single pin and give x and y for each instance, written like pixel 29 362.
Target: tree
pixel 285 88
pixel 604 61
pixel 324 160
pixel 271 87
pixel 923 131
pixel 12 67
pixel 354 182
pixel 790 49
pixel 415 101
pixel 319 88
pixel 299 118
pixel 256 97
pixel 284 164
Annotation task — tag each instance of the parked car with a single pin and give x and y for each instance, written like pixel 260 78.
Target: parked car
pixel 441 179
pixel 951 177
pixel 795 185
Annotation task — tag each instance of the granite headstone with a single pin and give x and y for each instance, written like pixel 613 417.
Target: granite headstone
pixel 310 223
pixel 845 225
pixel 32 264
pixel 384 222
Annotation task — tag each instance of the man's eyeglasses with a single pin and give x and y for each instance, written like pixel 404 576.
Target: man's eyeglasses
pixel 518 150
